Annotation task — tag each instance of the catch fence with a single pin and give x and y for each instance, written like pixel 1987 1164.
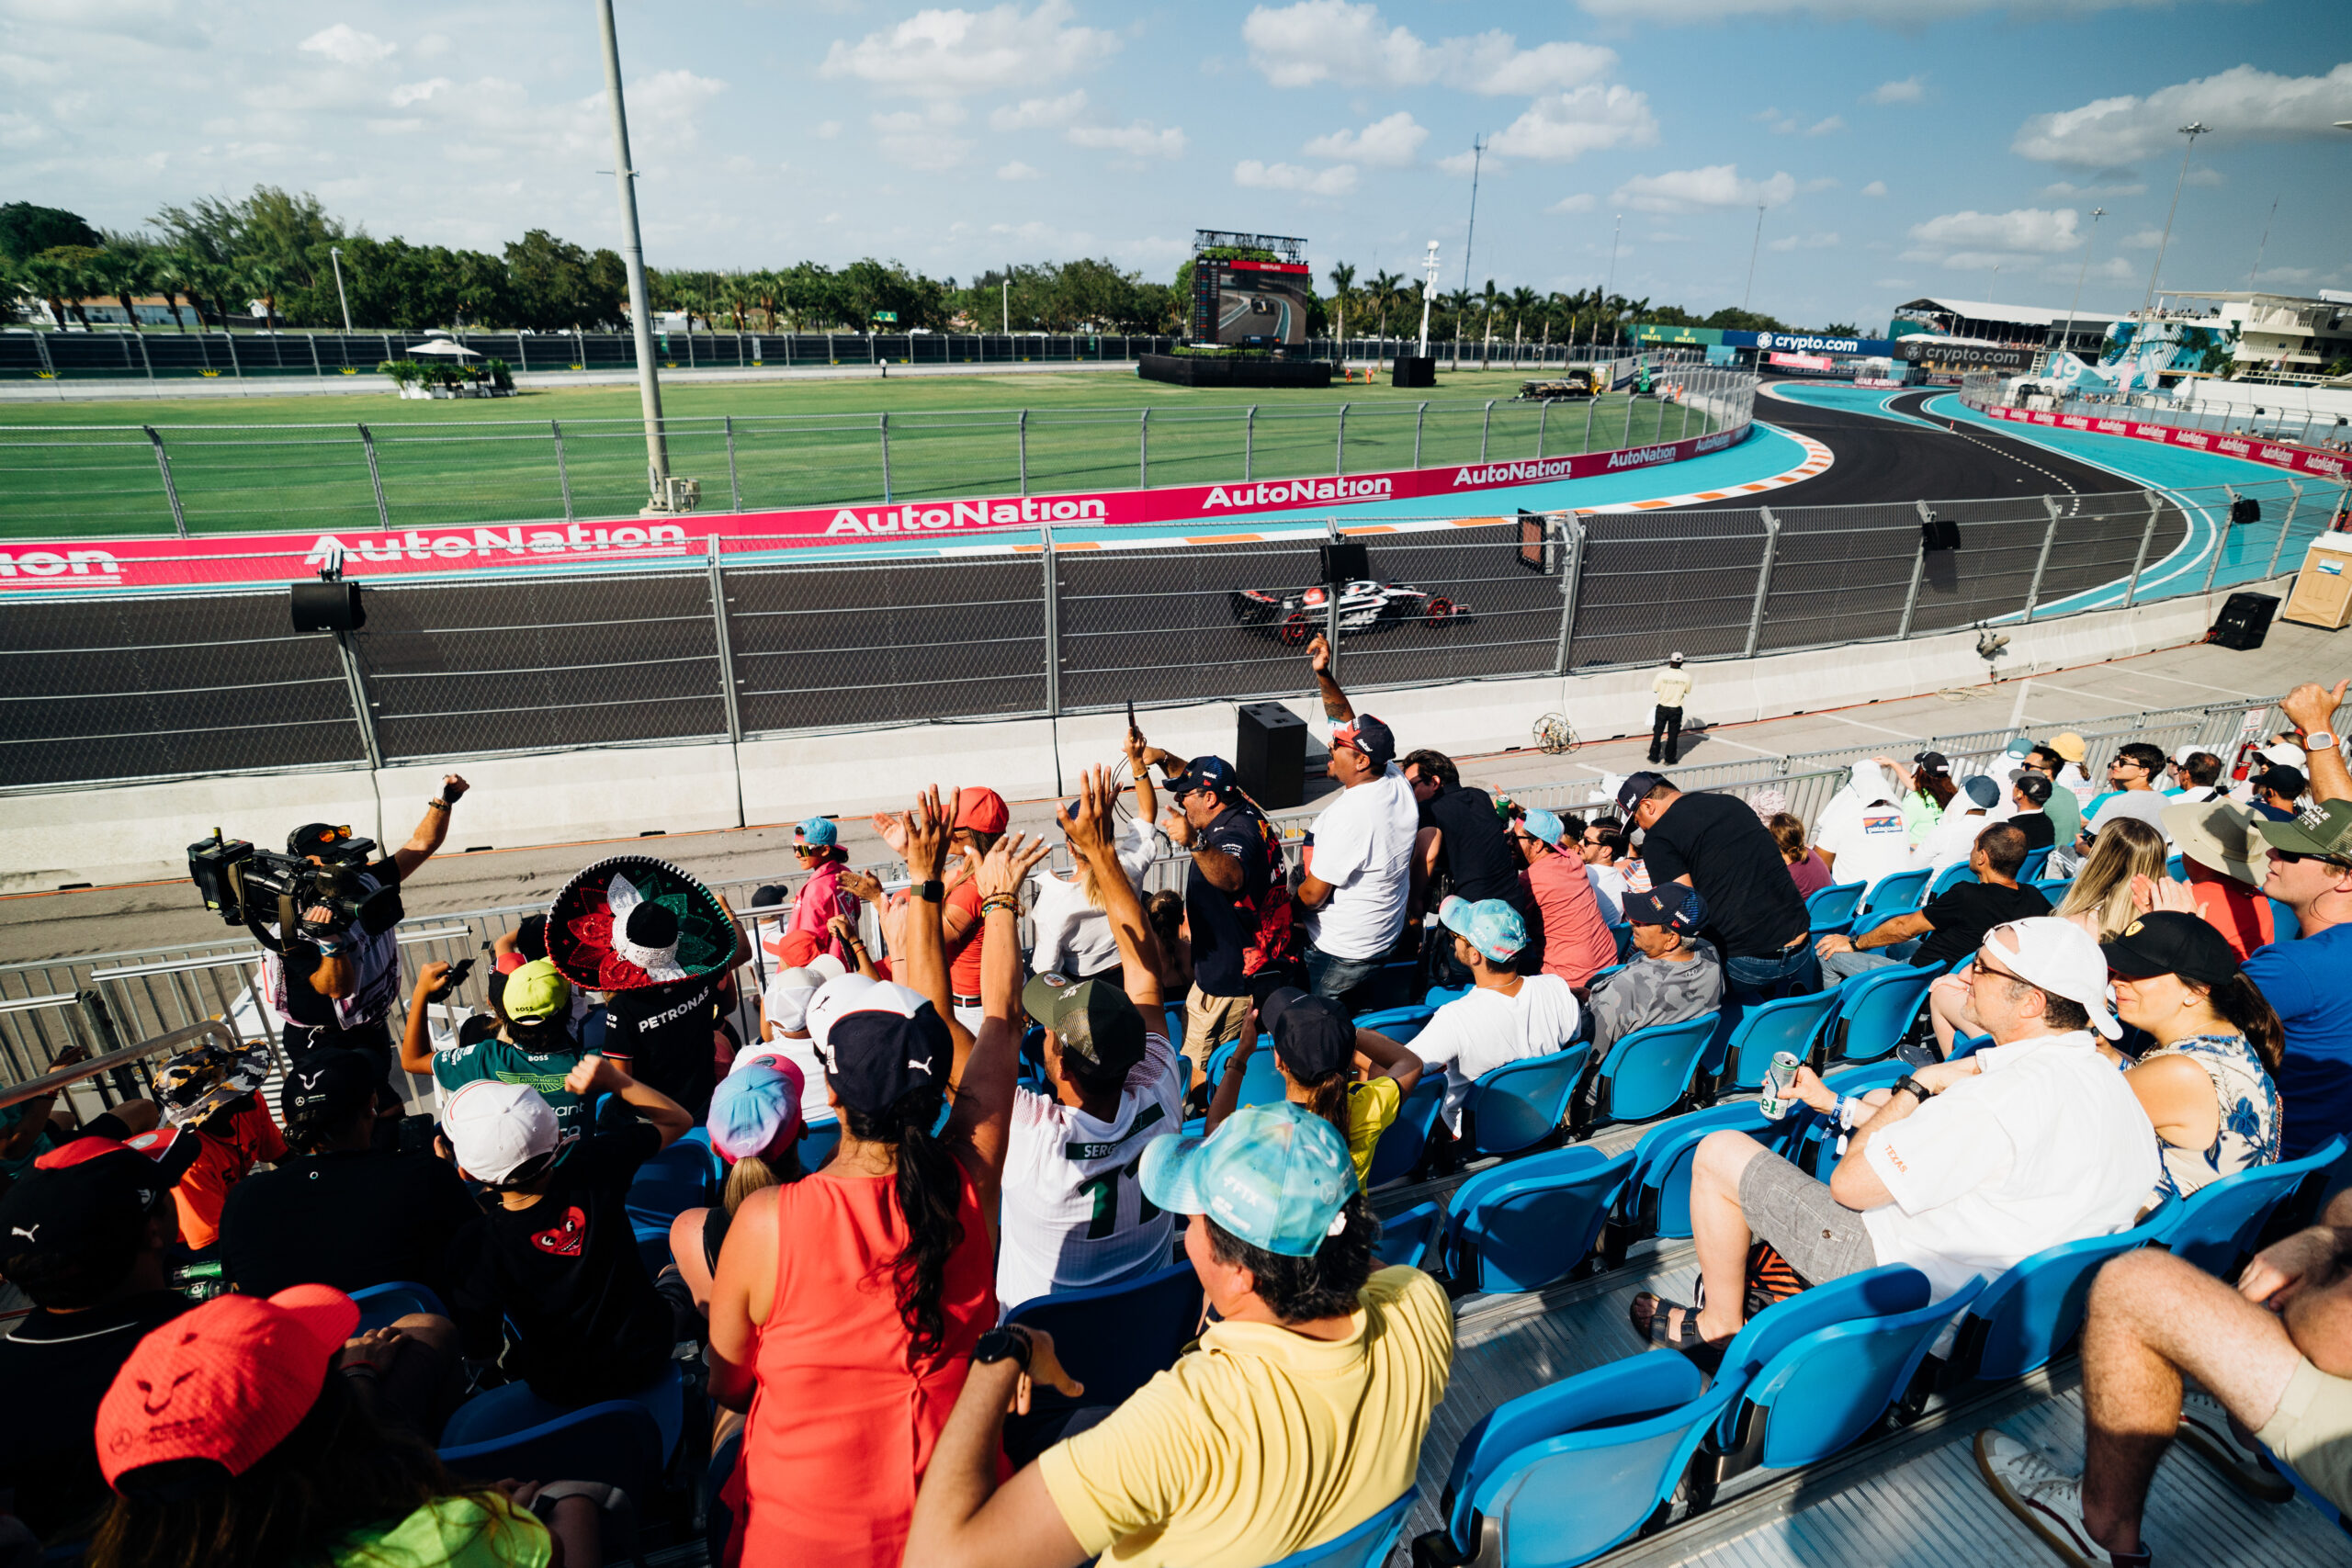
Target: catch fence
pixel 2303 427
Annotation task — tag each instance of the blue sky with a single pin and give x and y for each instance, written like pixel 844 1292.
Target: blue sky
pixel 1899 147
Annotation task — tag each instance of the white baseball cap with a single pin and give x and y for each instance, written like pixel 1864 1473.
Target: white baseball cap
pixel 2285 755
pixel 789 990
pixel 2181 753
pixel 495 1129
pixel 834 997
pixel 2059 957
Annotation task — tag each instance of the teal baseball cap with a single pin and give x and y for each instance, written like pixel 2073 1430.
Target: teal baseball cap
pixel 816 831
pixel 1277 1176
pixel 1545 825
pixel 1493 927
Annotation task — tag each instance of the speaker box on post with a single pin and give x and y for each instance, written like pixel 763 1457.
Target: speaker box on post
pixel 1412 370
pixel 2245 621
pixel 1345 560
pixel 328 607
pixel 1269 755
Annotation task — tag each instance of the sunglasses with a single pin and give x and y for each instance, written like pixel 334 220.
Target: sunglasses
pixel 1982 968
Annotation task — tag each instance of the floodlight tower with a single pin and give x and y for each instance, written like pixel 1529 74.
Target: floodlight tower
pixel 1428 292
pixel 2193 129
pixel 640 308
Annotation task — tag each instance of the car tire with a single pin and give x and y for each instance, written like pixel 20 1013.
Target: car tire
pixel 1296 628
pixel 1438 610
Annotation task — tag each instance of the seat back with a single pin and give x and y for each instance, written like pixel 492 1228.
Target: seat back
pixel 1966 1045
pixel 1438 996
pixel 2036 861
pixel 1114 1337
pixel 1830 1386
pixel 1896 894
pixel 681 1177
pixel 2053 888
pixel 1521 1103
pixel 1808 1139
pixel 1789 1024
pixel 615 1442
pixel 1622 932
pixel 1366 1546
pixel 1262 1078
pixel 2034 1310
pixel 1657 1199
pixel 512 1407
pixel 1399 1024
pixel 819 1139
pixel 381 1305
pixel 2215 1227
pixel 1883 1291
pixel 1529 1224
pixel 1950 877
pixel 1831 908
pixel 1402 1145
pixel 1406 1238
pixel 1875 1010
pixel 2284 924
pixel 1647 1071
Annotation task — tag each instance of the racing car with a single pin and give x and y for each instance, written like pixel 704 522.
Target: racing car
pixel 1292 615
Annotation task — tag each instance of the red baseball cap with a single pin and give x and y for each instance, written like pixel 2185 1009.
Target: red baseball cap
pixel 799 948
pixel 981 810
pixel 226 1381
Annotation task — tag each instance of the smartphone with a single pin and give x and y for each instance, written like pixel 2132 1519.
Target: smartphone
pixel 1131 714
pixel 451 981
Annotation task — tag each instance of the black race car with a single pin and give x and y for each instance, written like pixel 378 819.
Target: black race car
pixel 1292 615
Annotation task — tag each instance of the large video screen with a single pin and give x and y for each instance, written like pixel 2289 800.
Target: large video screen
pixel 1261 304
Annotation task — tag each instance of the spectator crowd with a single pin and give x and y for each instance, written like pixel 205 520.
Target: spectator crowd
pixel 909 1111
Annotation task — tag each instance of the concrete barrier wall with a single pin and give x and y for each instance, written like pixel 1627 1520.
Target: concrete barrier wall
pixel 139 832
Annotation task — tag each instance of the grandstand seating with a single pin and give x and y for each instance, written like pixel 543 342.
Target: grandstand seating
pixel 1793 1024
pixel 1406 1139
pixel 1400 1024
pixel 2034 1310
pixel 1521 1103
pixel 1366 1546
pixel 1112 1338
pixel 381 1305
pixel 1623 931
pixel 819 1138
pixel 2215 1227
pixel 2284 926
pixel 504 1413
pixel 1890 896
pixel 1407 1237
pixel 1949 877
pixel 1531 1223
pixel 1656 1197
pixel 1831 908
pixel 615 1442
pixel 2053 888
pixel 1875 1011
pixel 1648 1072
pixel 682 1177
pixel 2036 862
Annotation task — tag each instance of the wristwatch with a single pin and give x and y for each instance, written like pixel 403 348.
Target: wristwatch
pixel 2320 740
pixel 1912 1086
pixel 1002 1344
pixel 931 892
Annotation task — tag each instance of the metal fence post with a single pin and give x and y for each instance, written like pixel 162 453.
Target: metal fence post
pixel 316 368
pixel 1248 441
pixel 150 364
pixel 356 683
pixel 1331 603
pixel 1543 417
pixel 723 643
pixel 1339 457
pixel 2297 500
pixel 1143 450
pixel 563 471
pixel 376 479
pixel 1021 443
pixel 1919 569
pixel 1763 579
pixel 885 427
pixel 1485 426
pixel 2220 543
pixel 1628 439
pixel 1053 606
pixel 1418 420
pixel 734 485
pixel 1683 397
pixel 171 491
pixel 1571 586
pixel 2042 561
pixel 2139 561
pixel 1591 402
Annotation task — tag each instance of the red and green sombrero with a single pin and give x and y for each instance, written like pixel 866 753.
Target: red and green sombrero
pixel 633 921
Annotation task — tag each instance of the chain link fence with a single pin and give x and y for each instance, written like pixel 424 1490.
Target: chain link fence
pixel 2261 419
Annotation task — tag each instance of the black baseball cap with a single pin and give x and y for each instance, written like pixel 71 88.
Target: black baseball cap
pixel 1933 761
pixel 880 1042
pixel 2171 942
pixel 2279 779
pixel 768 895
pixel 84 1195
pixel 326 1088
pixel 1670 904
pixel 1212 774
pixel 323 840
pixel 1369 736
pixel 1630 792
pixel 1091 1018
pixel 1313 1038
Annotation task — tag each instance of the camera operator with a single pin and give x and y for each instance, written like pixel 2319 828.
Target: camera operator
pixel 335 983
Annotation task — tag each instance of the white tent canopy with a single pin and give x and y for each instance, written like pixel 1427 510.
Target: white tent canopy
pixel 442 347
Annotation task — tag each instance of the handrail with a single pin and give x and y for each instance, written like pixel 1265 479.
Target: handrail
pixel 59 1077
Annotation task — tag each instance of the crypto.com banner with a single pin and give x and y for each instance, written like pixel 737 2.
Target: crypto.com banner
pixel 227 558
pixel 2278 454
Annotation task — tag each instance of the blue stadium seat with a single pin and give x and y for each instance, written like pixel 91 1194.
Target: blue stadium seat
pixel 1174 1013
pixel 1521 1103
pixel 381 1306
pixel 1559 1476
pixel 1623 931
pixel 2284 926
pixel 1966 1045
pixel 682 1177
pixel 819 1138
pixel 1529 1224
pixel 513 1411
pixel 1657 1199
pixel 2053 888
pixel 1112 1338
pixel 2035 1309
pixel 1400 1024
pixel 1831 908
pixel 1366 1546
pixel 1820 1389
pixel 1791 1024
pixel 615 1442
pixel 1950 877
pixel 1600 974
pixel 1392 984
pixel 1890 896
pixel 2327 1510
pixel 1810 1135
pixel 2215 1227
pixel 2177 868
pixel 1438 996
pixel 719 1520
pixel 1401 1147
pixel 652 1245
pixel 1648 1072
pixel 1406 1238
pixel 2036 862
pixel 1875 1010
pixel 1262 1078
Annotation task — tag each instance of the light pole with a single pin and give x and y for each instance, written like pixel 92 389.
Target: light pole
pixel 334 259
pixel 2067 339
pixel 1609 286
pixel 1429 291
pixel 1477 152
pixel 1754 245
pixel 2193 129
pixel 640 308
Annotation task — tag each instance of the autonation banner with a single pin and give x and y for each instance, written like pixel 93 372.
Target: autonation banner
pixel 227 558
pixel 2278 454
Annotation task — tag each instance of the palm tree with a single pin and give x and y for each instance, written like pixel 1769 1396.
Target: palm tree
pixel 1343 279
pixel 268 280
pixel 49 278
pixel 1383 290
pixel 125 271
pixel 1488 297
pixel 1523 301
pixel 169 271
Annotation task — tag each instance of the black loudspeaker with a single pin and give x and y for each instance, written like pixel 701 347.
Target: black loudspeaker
pixel 328 607
pixel 1344 560
pixel 2245 621
pixel 1939 534
pixel 1269 755
pixel 2245 509
pixel 1412 370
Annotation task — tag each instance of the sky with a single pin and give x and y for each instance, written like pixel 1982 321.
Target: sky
pixel 1899 148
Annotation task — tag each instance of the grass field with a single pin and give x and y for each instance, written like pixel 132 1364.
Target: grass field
pixel 300 464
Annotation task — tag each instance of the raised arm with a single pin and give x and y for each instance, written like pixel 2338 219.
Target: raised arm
pixel 1093 834
pixel 593 1074
pixel 1378 1056
pixel 918 951
pixel 1335 706
pixel 980 1127
pixel 1139 766
pixel 431 830
pixel 2312 706
pixel 417 1043
pixel 1228 1097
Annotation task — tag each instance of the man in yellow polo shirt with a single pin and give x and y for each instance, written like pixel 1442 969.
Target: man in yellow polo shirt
pixel 1295 1419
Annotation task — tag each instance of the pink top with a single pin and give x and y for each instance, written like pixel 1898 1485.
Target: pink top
pixel 1577 943
pixel 820 898
pixel 1811 875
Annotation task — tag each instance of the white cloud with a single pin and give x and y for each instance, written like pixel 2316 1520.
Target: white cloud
pixel 1824 127
pixel 1980 240
pixel 387 127
pixel 1337 180
pixel 2242 103
pixel 2067 190
pixel 1017 170
pixel 1561 127
pixel 1687 190
pixel 432 46
pixel 1907 91
pixel 670 99
pixel 2205 177
pixel 1876 187
pixel 915 140
pixel 417 92
pixel 1905 13
pixel 828 128
pixel 1580 202
pixel 347 45
pixel 1804 242
pixel 1032 113
pixel 2143 240
pixel 1141 139
pixel 1340 40
pixel 1389 144
pixel 967 52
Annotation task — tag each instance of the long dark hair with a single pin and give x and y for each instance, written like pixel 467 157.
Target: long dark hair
pixel 337 1471
pixel 931 1186
pixel 1326 1096
pixel 1936 788
pixel 2238 999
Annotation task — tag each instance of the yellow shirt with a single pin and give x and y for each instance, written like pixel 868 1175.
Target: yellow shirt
pixel 1262 1442
pixel 1372 1110
pixel 1670 686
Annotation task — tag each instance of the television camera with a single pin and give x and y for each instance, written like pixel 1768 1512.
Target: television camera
pixel 258 888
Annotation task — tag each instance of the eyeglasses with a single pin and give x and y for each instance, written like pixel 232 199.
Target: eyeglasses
pixel 1978 964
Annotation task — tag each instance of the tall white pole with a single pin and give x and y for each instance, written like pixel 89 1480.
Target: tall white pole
pixel 1752 247
pixel 2067 339
pixel 1477 152
pixel 334 258
pixel 1428 292
pixel 1608 288
pixel 2193 129
pixel 640 308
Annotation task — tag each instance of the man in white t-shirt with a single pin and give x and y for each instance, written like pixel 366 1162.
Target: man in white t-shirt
pixel 1359 853
pixel 1963 1169
pixel 1073 1214
pixel 1605 844
pixel 1507 1016
pixel 1861 834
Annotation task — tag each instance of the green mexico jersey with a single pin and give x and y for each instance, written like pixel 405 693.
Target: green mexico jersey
pixel 453 1068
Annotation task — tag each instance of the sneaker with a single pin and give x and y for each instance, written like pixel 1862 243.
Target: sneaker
pixel 2047 1499
pixel 2205 1426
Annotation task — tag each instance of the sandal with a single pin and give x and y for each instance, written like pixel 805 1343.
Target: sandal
pixel 1651 1324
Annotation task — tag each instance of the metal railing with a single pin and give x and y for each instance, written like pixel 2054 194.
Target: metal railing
pixel 2303 427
